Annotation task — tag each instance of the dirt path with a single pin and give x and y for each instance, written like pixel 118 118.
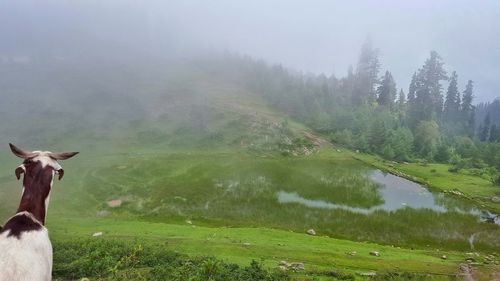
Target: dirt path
pixel 495 276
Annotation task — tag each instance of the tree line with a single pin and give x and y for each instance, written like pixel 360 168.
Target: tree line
pixel 364 110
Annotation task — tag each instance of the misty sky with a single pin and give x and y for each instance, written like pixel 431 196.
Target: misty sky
pixel 311 36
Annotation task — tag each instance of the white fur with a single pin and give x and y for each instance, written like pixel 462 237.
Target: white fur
pixel 28 258
pixel 48 195
pixel 46 160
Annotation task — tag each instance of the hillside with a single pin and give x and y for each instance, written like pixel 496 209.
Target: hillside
pixel 191 154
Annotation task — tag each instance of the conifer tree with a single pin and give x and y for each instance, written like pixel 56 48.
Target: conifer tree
pixel 484 130
pixel 366 74
pixel 387 91
pixel 467 109
pixel 401 100
pixel 428 104
pixel 494 133
pixel 413 88
pixel 452 102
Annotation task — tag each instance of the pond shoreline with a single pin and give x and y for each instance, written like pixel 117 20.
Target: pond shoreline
pixel 431 187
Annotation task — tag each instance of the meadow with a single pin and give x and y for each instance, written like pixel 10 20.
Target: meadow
pixel 223 204
pixel 187 188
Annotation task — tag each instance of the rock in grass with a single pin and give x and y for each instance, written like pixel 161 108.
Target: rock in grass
pixel 284 263
pixel 297 266
pixel 495 199
pixel 375 253
pixel 283 268
pixel 97 234
pixel 444 257
pixel 367 274
pixel 114 203
pixel 311 232
pixel 470 259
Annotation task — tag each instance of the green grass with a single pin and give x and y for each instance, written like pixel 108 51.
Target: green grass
pixel 162 189
pixel 238 189
pixel 269 246
pixel 212 152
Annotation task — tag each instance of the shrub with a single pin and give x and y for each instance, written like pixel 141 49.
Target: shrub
pixel 495 179
pixel 119 260
pixel 443 154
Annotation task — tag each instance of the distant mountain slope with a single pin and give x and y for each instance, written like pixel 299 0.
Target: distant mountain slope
pixel 167 103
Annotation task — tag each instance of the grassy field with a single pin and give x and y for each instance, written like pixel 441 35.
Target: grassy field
pixel 239 189
pixel 200 174
pixel 270 246
pixel 223 203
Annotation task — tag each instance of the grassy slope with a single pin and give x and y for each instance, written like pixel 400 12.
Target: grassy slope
pixel 267 245
pixel 237 121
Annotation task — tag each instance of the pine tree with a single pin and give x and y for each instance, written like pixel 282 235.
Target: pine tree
pixel 494 133
pixel 413 89
pixel 401 100
pixel 411 108
pixel 428 104
pixel 467 109
pixel 366 74
pixel 401 108
pixel 484 130
pixel 387 91
pixel 452 102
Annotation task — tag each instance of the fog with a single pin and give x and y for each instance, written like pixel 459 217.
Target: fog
pixel 310 36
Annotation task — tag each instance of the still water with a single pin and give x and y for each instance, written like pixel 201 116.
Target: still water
pixel 397 193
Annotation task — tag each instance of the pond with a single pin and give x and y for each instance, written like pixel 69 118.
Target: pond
pixel 397 193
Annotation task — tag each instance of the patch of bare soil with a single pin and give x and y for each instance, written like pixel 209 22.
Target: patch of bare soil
pixel 316 140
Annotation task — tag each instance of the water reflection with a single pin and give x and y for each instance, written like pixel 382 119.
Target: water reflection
pixel 397 193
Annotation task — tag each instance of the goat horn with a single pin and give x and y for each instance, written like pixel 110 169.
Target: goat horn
pixel 21 153
pixel 62 155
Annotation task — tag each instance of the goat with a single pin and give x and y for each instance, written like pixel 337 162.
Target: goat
pixel 25 247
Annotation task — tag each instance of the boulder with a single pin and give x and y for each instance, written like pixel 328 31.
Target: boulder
pixel 284 263
pixel 495 199
pixel 97 234
pixel 367 274
pixel 375 253
pixel 283 268
pixel 311 232
pixel 444 257
pixel 470 259
pixel 114 203
pixel 297 266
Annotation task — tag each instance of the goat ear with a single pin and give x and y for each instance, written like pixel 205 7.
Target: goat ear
pixel 21 153
pixel 61 173
pixel 20 170
pixel 62 155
